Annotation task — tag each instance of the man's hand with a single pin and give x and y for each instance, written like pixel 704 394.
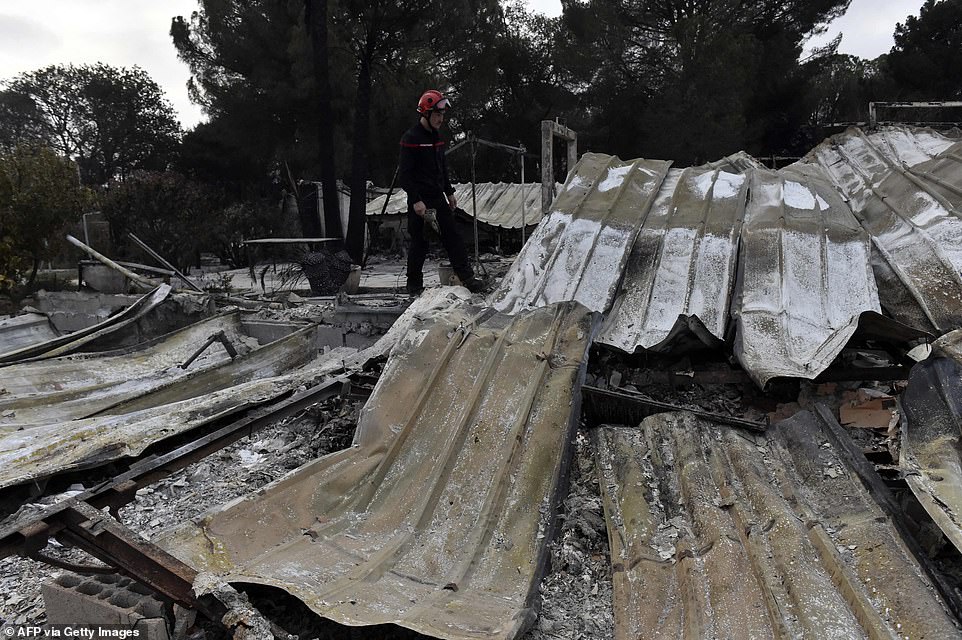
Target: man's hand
pixel 420 208
pixel 453 201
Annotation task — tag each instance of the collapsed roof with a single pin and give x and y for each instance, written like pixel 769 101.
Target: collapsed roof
pixel 782 264
pixel 716 533
pixel 438 518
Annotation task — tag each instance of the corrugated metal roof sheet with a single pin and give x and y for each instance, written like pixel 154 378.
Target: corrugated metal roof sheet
pixel 804 276
pixel 72 387
pixel 905 187
pixel 499 203
pixel 682 267
pixel 579 251
pixel 718 534
pixel 739 162
pixel 931 432
pixel 439 518
pixel 73 341
pixel 30 451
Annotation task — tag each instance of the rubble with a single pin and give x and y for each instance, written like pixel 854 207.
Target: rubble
pixel 787 466
pixel 576 594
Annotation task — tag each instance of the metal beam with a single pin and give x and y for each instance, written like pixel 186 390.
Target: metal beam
pixel 23 536
pixel 631 408
pixel 872 106
pixel 80 522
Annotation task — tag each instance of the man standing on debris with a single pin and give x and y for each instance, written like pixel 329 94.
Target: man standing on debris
pixel 423 174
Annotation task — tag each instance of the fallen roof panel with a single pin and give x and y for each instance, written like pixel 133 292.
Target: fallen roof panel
pixel 681 270
pixel 717 533
pixel 33 450
pixel 73 341
pixel 804 276
pixel 579 250
pixel 44 450
pixel 71 387
pixel 905 188
pixel 439 518
pixel 931 431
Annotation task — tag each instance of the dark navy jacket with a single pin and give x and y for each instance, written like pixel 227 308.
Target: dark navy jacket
pixel 422 170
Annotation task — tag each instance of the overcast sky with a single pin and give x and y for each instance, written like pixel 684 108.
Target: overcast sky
pixel 135 32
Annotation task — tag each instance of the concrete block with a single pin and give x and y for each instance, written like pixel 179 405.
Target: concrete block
pixel 76 600
pixel 267 331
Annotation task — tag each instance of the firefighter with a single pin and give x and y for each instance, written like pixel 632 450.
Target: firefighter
pixel 423 175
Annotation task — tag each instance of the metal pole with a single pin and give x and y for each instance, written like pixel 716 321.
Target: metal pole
pixel 387 199
pixel 474 204
pixel 547 168
pixel 110 263
pixel 159 258
pixel 524 196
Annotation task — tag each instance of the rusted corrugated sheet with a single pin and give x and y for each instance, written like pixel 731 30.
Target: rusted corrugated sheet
pixel 931 432
pixel 718 534
pixel 438 519
pixel 579 251
pixel 804 276
pixel 499 203
pixel 681 270
pixel 72 387
pixel 73 341
pixel 905 187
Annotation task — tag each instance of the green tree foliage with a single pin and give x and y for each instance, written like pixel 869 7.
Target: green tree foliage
pixel 514 83
pixel 926 61
pixel 110 120
pixel 843 88
pixel 390 35
pixel 40 194
pixel 693 81
pixel 251 70
pixel 176 216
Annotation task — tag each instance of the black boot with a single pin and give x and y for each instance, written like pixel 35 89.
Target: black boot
pixel 474 285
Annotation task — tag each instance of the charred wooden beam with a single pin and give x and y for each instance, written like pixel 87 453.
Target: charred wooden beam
pixel 631 408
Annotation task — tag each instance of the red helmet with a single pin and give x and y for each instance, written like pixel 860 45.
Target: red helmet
pixel 432 100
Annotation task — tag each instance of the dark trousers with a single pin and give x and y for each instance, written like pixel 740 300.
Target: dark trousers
pixel 450 238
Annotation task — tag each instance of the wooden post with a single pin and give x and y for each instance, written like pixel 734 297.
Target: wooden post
pixel 549 130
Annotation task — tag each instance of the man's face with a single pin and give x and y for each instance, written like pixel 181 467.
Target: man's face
pixel 436 119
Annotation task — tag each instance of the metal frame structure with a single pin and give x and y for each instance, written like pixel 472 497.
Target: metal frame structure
pixel 81 522
pixel 872 106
